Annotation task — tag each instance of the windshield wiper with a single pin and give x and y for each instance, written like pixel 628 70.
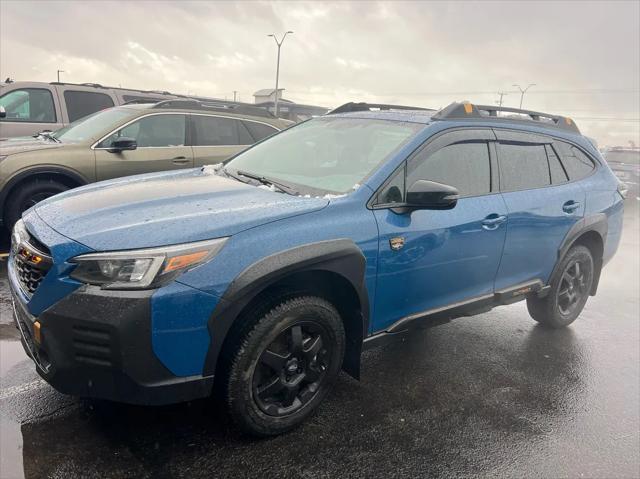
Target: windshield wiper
pixel 268 181
pixel 48 135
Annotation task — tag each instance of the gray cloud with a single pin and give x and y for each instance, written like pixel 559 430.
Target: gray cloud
pixel 583 56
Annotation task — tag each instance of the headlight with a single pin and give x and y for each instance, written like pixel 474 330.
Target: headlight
pixel 143 268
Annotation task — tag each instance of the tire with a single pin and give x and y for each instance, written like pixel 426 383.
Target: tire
pixel 296 349
pixel 569 291
pixel 27 195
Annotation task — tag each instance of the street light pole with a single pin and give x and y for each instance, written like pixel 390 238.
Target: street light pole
pixel 279 44
pixel 59 71
pixel 522 92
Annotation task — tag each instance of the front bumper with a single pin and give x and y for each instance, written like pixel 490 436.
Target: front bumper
pixel 97 343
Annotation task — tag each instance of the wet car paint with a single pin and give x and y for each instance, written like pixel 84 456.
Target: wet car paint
pixel 492 395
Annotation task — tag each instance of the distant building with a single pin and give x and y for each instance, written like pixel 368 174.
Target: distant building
pixel 287 109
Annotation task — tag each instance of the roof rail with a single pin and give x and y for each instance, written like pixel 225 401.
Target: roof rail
pixel 192 104
pixel 351 106
pixel 142 101
pixel 466 110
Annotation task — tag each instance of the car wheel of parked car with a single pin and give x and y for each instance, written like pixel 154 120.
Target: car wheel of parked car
pixel 28 195
pixel 285 365
pixel 569 291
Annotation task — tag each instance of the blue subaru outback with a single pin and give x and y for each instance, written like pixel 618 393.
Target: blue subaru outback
pixel 260 280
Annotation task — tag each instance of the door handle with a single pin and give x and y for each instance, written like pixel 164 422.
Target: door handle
pixel 492 221
pixel 570 206
pixel 180 160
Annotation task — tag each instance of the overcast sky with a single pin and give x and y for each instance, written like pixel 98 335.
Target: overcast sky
pixel 583 56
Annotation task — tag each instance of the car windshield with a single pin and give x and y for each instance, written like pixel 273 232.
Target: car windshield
pixel 328 154
pixel 90 127
pixel 627 157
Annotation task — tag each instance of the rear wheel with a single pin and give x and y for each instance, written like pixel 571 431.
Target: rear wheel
pixel 285 366
pixel 569 290
pixel 26 195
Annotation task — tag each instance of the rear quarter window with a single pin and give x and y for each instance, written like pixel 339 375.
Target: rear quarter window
pixel 576 163
pixel 259 131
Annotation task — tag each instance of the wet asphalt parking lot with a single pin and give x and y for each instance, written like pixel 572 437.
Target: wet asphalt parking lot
pixel 493 395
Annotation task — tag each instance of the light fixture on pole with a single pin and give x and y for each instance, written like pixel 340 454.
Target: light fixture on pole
pixel 279 44
pixel 522 92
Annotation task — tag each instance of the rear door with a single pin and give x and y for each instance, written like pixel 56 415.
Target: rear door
pixel 542 206
pixel 161 139
pixel 217 138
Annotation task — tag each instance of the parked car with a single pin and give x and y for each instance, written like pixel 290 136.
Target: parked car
pixel 625 163
pixel 125 140
pixel 34 107
pixel 260 279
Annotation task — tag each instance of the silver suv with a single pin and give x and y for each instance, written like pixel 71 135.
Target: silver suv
pixel 34 107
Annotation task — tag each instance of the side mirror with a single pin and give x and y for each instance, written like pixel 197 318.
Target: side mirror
pixel 3 112
pixel 429 195
pixel 123 144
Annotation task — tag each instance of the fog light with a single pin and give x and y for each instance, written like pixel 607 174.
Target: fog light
pixel 37 335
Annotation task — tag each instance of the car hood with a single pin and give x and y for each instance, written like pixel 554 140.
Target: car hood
pixel 166 208
pixel 9 146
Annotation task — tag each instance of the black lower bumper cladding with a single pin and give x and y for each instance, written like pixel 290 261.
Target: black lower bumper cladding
pixel 97 344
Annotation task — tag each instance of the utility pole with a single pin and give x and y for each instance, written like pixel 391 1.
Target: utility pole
pixel 501 93
pixel 235 92
pixel 279 44
pixel 522 92
pixel 59 71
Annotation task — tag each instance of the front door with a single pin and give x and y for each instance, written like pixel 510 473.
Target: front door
pixel 430 259
pixel 161 140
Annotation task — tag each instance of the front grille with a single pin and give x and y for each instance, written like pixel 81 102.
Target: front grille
pixel 31 262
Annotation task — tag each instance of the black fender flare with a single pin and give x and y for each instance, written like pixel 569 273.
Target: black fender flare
pixel 597 223
pixel 340 256
pixel 40 170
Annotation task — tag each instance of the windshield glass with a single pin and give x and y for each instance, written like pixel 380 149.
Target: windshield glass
pixel 326 154
pixel 90 127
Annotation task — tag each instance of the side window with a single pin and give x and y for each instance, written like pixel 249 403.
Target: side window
pixel 394 191
pixel 558 175
pixel 152 131
pixel 217 131
pixel 259 131
pixel 577 164
pixel 83 103
pixel 523 166
pixel 29 104
pixel 466 166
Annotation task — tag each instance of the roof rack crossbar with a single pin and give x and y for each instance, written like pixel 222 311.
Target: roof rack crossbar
pixel 362 106
pixel 465 111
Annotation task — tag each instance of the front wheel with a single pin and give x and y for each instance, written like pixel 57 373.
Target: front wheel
pixel 285 365
pixel 569 290
pixel 28 195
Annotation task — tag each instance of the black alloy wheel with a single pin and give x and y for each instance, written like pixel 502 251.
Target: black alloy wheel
pixel 573 286
pixel 292 368
pixel 283 363
pixel 569 290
